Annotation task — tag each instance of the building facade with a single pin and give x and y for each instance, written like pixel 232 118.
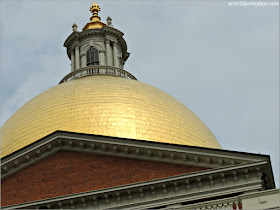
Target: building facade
pixel 101 139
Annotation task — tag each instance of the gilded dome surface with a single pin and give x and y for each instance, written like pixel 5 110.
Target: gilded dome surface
pixel 106 105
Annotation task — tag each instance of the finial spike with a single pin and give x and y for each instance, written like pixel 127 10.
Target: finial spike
pixel 94 10
pixel 74 26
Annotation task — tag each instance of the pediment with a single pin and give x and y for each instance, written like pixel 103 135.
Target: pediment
pixel 127 148
pixel 74 164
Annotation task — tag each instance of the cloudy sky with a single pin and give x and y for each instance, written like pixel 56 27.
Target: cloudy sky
pixel 220 61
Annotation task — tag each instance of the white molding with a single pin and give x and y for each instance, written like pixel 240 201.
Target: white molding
pixel 135 149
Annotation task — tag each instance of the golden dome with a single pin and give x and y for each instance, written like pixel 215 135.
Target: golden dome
pixel 106 105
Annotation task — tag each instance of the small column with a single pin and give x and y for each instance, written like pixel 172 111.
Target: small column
pixel 77 56
pixel 115 55
pixel 108 60
pixel 121 63
pixel 72 61
pixel 84 60
pixel 102 58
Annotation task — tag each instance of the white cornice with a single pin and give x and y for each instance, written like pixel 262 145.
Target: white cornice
pixel 113 33
pixel 127 148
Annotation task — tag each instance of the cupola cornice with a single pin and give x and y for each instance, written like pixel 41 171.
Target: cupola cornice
pixel 105 31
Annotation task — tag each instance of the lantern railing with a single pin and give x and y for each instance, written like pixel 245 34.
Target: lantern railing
pixel 97 70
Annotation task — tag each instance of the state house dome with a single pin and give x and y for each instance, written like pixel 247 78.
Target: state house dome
pixel 110 106
pixel 99 97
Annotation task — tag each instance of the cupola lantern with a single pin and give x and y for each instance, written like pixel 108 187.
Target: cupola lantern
pixel 97 49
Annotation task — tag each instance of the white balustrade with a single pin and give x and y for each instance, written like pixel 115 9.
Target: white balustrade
pixel 97 70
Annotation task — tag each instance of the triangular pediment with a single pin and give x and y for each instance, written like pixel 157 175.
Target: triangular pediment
pixel 84 162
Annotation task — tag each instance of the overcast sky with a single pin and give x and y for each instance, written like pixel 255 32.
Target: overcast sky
pixel 222 62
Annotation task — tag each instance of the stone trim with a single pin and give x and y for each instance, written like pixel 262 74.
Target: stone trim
pixel 97 70
pixel 227 203
pixel 127 148
pixel 162 192
pixel 260 193
pixel 113 31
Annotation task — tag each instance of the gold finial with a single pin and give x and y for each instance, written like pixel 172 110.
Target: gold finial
pixel 95 20
pixel 94 9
